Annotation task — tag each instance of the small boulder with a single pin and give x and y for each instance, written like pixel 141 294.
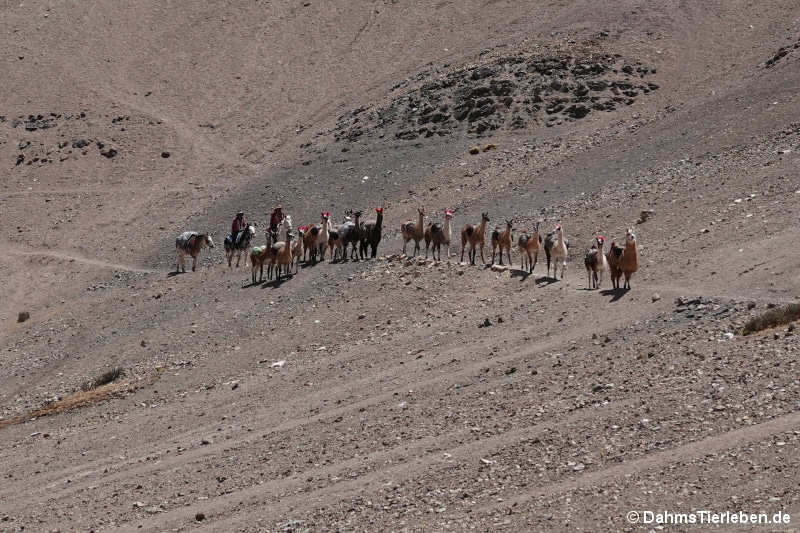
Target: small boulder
pixel 23 316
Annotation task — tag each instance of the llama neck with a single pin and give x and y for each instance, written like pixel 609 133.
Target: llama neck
pixel 379 221
pixel 419 224
pixel 482 227
pixel 561 238
pixel 447 230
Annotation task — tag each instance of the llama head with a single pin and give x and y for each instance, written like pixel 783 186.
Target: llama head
pixel 302 229
pixel 421 211
pixel 509 223
pixel 208 240
pixel 448 214
pixel 251 230
pixel 379 210
pixel 485 217
pixel 630 237
pixel 325 215
pixel 558 230
pixel 600 240
pixel 357 214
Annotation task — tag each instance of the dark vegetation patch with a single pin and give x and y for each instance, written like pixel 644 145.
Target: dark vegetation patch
pixel 103 379
pixel 781 53
pixel 772 318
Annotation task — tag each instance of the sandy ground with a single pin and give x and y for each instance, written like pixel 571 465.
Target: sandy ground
pixel 397 394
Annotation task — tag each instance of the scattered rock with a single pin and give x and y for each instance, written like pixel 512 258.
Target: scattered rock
pixel 199 517
pixel 108 152
pixel 644 215
pixel 655 297
pixel 165 155
pixel 278 364
pixel 474 150
pixel 23 316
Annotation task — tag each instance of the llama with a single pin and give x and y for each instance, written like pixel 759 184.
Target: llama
pixel 334 238
pixel 298 248
pixel 190 243
pixel 412 230
pixel 438 234
pixel 309 240
pixel 474 236
pixel 242 243
pixel 612 256
pixel 629 260
pixel 350 233
pixel 596 263
pixel 502 240
pixel 282 257
pixel 529 247
pixel 324 235
pixel 371 235
pixel 556 247
pixel 260 255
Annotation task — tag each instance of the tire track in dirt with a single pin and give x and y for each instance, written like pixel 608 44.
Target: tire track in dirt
pixel 263 416
pixel 266 418
pixel 255 495
pixel 74 258
pixel 707 446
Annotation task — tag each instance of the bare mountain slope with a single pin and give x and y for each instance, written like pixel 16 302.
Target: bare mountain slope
pixel 396 394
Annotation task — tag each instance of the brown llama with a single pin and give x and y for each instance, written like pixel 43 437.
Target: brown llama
pixel 413 230
pixel 474 236
pixel 502 240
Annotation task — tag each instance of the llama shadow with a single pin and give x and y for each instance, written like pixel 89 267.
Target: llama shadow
pixel 544 281
pixel 175 273
pixel 519 273
pixel 617 293
pixel 277 282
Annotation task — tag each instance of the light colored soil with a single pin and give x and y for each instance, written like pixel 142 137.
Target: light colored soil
pixel 397 407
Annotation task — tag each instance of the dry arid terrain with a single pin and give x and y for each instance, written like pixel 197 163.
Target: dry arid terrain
pixel 397 394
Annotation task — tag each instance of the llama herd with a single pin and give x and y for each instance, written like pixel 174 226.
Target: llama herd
pixel 361 239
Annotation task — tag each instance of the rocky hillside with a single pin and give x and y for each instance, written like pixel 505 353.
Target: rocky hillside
pixel 510 92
